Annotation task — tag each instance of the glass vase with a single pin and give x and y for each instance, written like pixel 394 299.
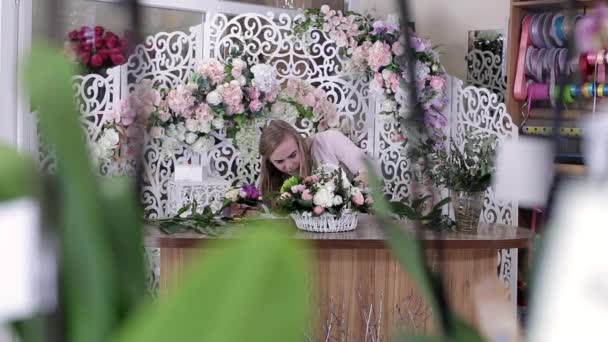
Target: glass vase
pixel 467 209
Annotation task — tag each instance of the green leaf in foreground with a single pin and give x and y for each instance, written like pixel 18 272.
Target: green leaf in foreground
pixel 17 174
pixel 87 269
pixel 252 289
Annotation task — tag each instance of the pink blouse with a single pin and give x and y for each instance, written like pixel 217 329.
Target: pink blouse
pixel 333 147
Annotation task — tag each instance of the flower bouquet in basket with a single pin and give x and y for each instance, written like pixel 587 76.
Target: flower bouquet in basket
pixel 324 202
pixel 468 174
pixel 242 201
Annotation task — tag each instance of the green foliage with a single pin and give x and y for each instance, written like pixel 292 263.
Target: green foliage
pixel 17 174
pixel 291 181
pixel 204 222
pixel 89 280
pixel 469 170
pixel 433 219
pixel 238 292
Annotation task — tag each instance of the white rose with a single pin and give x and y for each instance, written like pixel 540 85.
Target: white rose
pixel 218 123
pixel 204 127
pixel 181 131
pixel 191 138
pixel 386 73
pixel 171 131
pixel 112 136
pixel 233 195
pixel 243 194
pixel 235 83
pixel 242 80
pixel 337 200
pixel 214 98
pixel 157 132
pixel 200 145
pixel 389 106
pixel 98 151
pixel 164 116
pixel 324 9
pixel 239 63
pixel 104 143
pixel 192 125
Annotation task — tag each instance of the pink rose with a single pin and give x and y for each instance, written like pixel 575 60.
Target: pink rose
pixel 379 55
pixel 255 106
pixel 437 82
pixel 236 72
pixel 318 210
pixel 398 49
pixel 358 199
pixel 315 178
pixel 253 93
pixel 306 195
pixel 271 96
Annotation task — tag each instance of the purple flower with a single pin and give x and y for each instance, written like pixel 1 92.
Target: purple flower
pixel 380 27
pixel 252 192
pixel 417 44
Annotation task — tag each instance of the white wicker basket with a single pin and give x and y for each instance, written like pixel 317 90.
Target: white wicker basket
pixel 326 223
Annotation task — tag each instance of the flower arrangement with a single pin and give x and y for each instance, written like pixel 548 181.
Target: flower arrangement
pixel 96 48
pixel 322 193
pixel 376 48
pixel 469 170
pixel 217 95
pixel 231 96
pixel 247 194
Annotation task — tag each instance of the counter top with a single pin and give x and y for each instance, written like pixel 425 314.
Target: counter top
pixel 367 235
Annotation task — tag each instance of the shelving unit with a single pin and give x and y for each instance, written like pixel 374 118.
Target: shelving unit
pixel 518 11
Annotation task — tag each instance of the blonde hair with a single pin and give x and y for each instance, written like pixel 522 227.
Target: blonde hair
pixel 274 134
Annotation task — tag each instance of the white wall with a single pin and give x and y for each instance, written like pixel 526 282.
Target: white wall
pixel 447 22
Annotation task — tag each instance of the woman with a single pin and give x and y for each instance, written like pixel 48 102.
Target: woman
pixel 286 153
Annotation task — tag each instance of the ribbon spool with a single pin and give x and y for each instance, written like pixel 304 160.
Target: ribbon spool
pixel 549 30
pixel 541 62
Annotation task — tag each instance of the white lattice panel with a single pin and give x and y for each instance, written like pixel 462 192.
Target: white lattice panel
pixel 479 112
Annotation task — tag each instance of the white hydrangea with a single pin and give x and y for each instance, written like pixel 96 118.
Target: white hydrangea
pixel 204 127
pixel 323 198
pixel 264 77
pixel 337 200
pixel 191 138
pixel 201 145
pixel 171 131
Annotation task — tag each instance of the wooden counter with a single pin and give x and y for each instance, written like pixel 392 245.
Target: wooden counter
pixel 361 289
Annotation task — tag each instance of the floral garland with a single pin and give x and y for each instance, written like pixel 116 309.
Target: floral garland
pixel 376 48
pixel 234 96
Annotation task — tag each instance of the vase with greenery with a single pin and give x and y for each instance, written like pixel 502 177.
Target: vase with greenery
pixel 467 173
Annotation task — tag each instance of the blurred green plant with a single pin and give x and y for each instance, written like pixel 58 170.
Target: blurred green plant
pixel 433 219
